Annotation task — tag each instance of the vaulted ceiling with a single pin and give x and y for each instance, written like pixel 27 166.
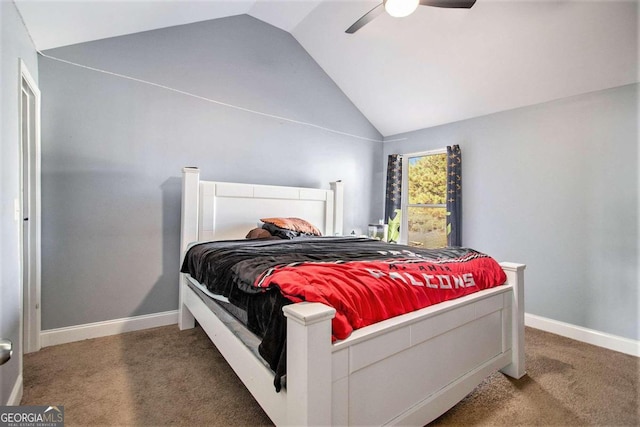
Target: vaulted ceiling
pixel 433 67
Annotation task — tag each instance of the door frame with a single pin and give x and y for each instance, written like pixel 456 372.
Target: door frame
pixel 31 291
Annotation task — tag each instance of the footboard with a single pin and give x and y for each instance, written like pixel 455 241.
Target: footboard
pixel 407 370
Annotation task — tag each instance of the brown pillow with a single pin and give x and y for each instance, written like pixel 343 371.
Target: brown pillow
pixel 293 224
pixel 258 233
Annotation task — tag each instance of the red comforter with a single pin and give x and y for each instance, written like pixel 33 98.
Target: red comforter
pixel 366 292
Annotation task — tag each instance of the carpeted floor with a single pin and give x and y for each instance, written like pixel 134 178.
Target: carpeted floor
pixel 163 376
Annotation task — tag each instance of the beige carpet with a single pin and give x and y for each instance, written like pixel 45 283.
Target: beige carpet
pixel 163 376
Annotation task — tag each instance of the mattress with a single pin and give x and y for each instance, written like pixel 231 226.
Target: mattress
pixel 233 317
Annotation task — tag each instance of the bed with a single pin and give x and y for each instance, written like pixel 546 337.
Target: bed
pixel 405 370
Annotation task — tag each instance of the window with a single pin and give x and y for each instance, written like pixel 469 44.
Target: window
pixel 424 177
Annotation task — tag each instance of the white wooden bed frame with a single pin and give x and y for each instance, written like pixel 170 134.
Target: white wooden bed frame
pixel 406 370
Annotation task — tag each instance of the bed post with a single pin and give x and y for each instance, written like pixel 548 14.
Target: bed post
pixel 515 277
pixel 309 363
pixel 188 234
pixel 338 207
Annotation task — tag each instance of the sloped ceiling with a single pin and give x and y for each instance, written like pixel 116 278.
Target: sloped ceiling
pixel 433 67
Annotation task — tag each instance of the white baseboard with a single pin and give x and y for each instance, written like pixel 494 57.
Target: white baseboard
pixel 589 336
pixel 16 392
pixel 110 327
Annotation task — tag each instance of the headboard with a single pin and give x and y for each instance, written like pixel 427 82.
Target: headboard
pixel 224 210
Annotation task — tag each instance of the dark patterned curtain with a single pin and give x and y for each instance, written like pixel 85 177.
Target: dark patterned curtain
pixel 392 212
pixel 454 196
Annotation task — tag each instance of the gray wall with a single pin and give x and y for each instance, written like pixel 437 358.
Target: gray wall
pixel 555 186
pixel 113 150
pixel 15 44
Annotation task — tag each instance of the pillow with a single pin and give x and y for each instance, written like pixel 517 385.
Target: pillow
pixel 258 233
pixel 282 233
pixel 294 224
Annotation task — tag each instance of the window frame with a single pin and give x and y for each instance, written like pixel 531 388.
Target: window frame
pixel 404 197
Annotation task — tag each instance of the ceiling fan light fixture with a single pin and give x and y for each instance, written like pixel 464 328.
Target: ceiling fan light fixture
pixel 400 8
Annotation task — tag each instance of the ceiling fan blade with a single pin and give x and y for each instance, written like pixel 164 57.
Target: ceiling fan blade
pixel 366 18
pixel 457 4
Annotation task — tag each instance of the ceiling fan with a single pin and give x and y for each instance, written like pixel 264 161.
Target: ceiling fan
pixel 400 8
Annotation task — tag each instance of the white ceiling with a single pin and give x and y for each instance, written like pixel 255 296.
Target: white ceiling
pixel 434 67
